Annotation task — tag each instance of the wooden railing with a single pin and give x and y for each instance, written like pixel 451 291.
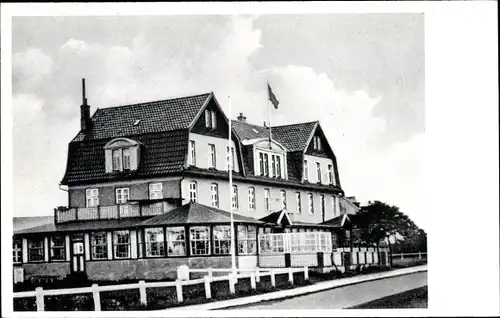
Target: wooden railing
pixel 420 255
pixel 254 275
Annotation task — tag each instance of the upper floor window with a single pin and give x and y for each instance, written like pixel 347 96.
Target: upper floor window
pixel 229 158
pixel 234 200
pixel 251 198
pixel 310 203
pixel 210 119
pixel 283 199
pixel 322 200
pixel 17 252
pixel 334 205
pixel 121 154
pixel 214 190
pixel 306 171
pixel 121 159
pixel 192 191
pixel 122 195
pixel 264 164
pixel 317 143
pixel 297 200
pixel 318 171
pixel 92 197
pixel 266 199
pixel 211 156
pixel 276 166
pixel 330 174
pixel 155 191
pixel 192 153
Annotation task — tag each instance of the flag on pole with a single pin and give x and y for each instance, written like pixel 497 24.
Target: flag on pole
pixel 272 97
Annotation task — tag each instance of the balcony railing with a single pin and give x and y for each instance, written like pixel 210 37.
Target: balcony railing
pixel 120 211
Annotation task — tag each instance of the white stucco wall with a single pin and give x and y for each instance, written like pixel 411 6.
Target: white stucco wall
pixel 202 151
pixel 324 162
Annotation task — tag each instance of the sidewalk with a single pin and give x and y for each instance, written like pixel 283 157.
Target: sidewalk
pixel 302 290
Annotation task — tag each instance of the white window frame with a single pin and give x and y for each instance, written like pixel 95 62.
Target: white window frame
pixel 155 191
pixel 247 240
pixel 117 244
pixel 122 195
pixel 330 174
pixel 17 251
pixel 174 242
pixel 212 157
pixel 298 202
pixel 251 198
pixel 310 203
pixel 283 199
pixel 208 119
pixel 158 242
pixel 214 195
pixel 193 240
pixel 318 171
pixel 61 247
pixel 306 170
pixel 214 119
pixel 317 143
pixel 222 243
pixel 99 240
pixel 126 158
pixel 91 197
pixel 193 188
pixel 192 153
pixel 40 248
pixel 116 157
pixel 235 198
pixel 267 198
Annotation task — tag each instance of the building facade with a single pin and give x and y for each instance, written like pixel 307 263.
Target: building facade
pixel 148 190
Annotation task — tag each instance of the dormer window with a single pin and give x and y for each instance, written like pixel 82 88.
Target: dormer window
pixel 210 119
pixel 317 143
pixel 121 154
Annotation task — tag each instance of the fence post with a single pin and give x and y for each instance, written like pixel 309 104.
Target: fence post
pixel 210 272
pixel 142 292
pixel 419 255
pixel 231 283
pixel 273 279
pixel 178 287
pixel 401 256
pixel 306 273
pixel 253 284
pixel 257 274
pixel 40 303
pixel 97 297
pixel 290 275
pixel 208 290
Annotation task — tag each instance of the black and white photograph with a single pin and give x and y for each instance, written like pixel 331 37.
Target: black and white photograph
pixel 221 161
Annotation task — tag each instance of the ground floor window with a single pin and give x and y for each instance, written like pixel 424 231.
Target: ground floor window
pixel 35 250
pixel 222 239
pixel 58 248
pixel 17 251
pixel 176 241
pixel 121 244
pixel 200 240
pixel 99 245
pixel 247 239
pixel 155 242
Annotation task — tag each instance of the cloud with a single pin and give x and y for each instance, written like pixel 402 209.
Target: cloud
pixel 30 67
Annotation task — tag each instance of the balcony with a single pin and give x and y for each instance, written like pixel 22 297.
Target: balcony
pixel 66 214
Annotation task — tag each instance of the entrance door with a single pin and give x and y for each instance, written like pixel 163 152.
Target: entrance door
pixel 77 257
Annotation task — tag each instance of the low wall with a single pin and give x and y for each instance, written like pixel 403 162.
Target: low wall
pixel 301 260
pixel 272 260
pixel 56 270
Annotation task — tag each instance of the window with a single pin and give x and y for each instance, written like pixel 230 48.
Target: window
pixel 155 242
pixel 311 203
pixel 283 199
pixel 214 120
pixel 192 153
pixel 273 166
pixel 266 199
pixel 176 241
pixel 317 143
pixel 117 160
pixel 247 239
pixel 261 163
pixel 334 207
pixel 17 252
pixel 192 191
pixel 229 158
pixel 122 195
pixel 322 204
pixel 200 240
pixel 251 198
pixel 232 158
pixel 318 172
pixel 210 119
pixel 297 200
pixel 214 190
pixel 330 174
pixel 126 159
pixel 211 156
pixel 266 165
pixel 92 197
pixel 35 250
pixel 222 239
pixel 99 245
pixel 155 191
pixel 58 248
pixel 234 199
pixel 306 171
pixel 278 166
pixel 121 244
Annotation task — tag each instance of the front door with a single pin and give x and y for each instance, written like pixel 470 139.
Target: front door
pixel 77 257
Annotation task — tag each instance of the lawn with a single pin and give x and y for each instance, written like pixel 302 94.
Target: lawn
pixel 415 298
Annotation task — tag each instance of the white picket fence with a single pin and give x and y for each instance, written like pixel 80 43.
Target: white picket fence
pixel 254 274
pixel 420 255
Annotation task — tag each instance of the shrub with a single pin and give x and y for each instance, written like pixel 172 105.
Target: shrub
pixel 25 304
pixel 71 302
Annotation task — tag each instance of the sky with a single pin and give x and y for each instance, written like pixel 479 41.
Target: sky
pixel 360 75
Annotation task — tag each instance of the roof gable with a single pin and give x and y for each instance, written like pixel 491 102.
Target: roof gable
pixel 294 137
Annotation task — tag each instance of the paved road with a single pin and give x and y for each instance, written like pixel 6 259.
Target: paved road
pixel 347 296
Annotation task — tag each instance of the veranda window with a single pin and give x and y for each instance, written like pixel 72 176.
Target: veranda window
pixel 58 248
pixel 35 250
pixel 222 239
pixel 176 241
pixel 121 244
pixel 155 242
pixel 99 245
pixel 17 252
pixel 200 240
pixel 247 239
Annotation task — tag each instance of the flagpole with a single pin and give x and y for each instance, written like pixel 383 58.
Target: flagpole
pixel 230 168
pixel 269 113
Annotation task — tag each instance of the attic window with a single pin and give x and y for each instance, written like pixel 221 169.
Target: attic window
pixel 317 143
pixel 255 130
pixel 137 122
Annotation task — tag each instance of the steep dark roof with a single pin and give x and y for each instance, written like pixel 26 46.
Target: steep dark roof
pixel 158 116
pixel 247 131
pixel 294 137
pixel 161 154
pixel 337 221
pixel 195 213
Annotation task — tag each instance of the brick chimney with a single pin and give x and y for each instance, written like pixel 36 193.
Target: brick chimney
pixel 85 121
pixel 242 118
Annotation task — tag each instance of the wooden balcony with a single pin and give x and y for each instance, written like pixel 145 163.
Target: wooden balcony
pixel 120 211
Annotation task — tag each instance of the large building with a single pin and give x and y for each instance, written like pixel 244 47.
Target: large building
pixel 148 190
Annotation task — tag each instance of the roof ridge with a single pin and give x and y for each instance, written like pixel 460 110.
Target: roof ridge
pixel 296 124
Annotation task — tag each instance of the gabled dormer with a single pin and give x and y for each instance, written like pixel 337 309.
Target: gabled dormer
pixel 122 154
pixel 269 158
